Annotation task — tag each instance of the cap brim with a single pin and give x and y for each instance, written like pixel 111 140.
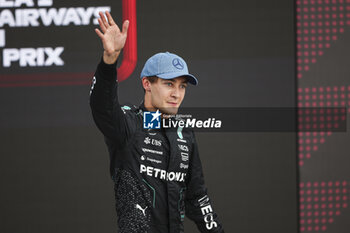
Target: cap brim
pixel 190 78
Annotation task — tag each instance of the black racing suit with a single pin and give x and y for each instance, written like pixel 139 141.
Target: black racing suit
pixel 157 173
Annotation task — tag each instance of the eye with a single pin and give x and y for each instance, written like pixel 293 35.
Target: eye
pixel 183 86
pixel 169 84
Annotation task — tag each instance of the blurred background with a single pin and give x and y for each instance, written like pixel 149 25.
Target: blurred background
pixel 54 168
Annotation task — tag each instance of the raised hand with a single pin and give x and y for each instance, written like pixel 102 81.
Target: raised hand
pixel 112 38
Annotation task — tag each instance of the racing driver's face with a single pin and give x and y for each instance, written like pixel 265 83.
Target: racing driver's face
pixel 167 94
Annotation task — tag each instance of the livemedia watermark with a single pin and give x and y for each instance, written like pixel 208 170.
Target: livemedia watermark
pixel 250 119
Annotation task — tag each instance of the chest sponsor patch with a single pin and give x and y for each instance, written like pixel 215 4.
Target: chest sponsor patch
pixel 153 160
pixel 162 174
pixel 152 141
pixel 152 151
pixel 143 157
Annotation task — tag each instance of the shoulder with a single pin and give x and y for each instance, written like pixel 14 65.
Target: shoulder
pixel 133 116
pixel 130 109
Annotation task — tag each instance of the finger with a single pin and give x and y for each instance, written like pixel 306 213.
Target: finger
pixel 102 26
pixel 103 18
pixel 99 33
pixel 125 26
pixel 110 19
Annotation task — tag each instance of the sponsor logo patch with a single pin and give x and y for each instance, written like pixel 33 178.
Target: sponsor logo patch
pixel 153 141
pixel 181 140
pixel 184 166
pixel 162 174
pixel 183 148
pixel 147 141
pixel 153 160
pixel 184 156
pixel 207 212
pixel 152 151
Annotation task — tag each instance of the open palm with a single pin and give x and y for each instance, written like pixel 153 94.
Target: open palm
pixel 112 38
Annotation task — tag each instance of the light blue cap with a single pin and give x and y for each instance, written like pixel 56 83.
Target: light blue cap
pixel 167 66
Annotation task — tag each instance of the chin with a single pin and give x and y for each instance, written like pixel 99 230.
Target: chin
pixel 170 110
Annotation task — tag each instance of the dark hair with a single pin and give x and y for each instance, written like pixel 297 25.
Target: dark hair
pixel 151 79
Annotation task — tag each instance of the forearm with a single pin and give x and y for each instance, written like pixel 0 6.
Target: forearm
pixel 104 101
pixel 201 212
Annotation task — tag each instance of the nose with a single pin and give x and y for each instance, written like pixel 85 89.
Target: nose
pixel 175 93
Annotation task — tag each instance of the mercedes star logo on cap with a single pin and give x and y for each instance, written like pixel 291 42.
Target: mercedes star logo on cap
pixel 178 64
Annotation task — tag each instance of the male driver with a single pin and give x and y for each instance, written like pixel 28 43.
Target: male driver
pixel 158 173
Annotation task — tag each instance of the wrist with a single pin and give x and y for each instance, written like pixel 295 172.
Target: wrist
pixel 110 58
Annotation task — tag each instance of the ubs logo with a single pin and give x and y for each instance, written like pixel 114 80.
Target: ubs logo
pixel 153 141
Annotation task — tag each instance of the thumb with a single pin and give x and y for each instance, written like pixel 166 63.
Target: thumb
pixel 125 26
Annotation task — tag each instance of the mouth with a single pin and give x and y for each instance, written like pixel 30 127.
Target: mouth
pixel 173 104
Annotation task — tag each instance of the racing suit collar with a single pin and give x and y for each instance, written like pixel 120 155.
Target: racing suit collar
pixel 142 106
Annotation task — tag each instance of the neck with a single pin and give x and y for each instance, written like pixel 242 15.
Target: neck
pixel 147 104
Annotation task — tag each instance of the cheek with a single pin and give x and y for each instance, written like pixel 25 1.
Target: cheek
pixel 164 93
pixel 160 94
pixel 183 94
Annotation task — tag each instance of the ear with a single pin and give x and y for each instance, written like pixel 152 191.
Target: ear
pixel 146 84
